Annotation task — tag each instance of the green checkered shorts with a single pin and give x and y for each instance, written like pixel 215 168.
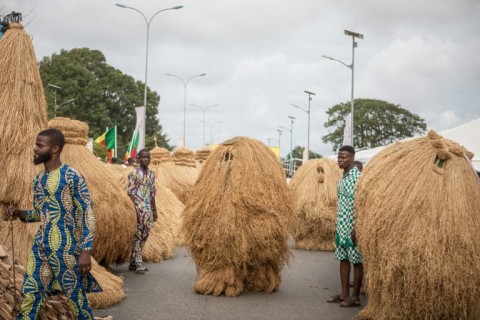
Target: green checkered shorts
pixel 348 253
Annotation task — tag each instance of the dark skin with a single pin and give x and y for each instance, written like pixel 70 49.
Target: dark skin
pixel 345 161
pixel 48 153
pixel 143 159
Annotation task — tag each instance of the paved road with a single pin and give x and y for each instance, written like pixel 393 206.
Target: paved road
pixel 166 292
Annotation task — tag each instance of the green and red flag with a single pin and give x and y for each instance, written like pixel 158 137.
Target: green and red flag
pixel 133 145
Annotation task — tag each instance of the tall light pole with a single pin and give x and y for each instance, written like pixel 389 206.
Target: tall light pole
pixel 211 124
pixel 308 113
pixel 147 21
pixel 204 110
pixel 61 104
pixel 185 83
pixel 55 88
pixel 291 143
pixel 352 67
pixel 279 141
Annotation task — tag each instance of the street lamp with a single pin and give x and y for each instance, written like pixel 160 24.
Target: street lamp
pixel 204 110
pixel 279 141
pixel 291 143
pixel 352 67
pixel 61 104
pixel 147 21
pixel 308 113
pixel 55 106
pixel 211 128
pixel 185 83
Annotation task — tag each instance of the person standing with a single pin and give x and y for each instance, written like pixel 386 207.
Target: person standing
pixel 141 189
pixel 346 249
pixel 60 257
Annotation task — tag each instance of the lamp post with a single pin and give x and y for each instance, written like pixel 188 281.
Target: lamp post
pixel 308 113
pixel 352 67
pixel 279 141
pixel 211 128
pixel 61 104
pixel 204 110
pixel 55 88
pixel 291 143
pixel 185 83
pixel 147 21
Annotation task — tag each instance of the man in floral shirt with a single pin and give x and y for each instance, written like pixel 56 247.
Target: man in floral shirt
pixel 141 189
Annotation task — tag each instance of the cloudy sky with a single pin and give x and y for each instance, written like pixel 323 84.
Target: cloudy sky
pixel 260 56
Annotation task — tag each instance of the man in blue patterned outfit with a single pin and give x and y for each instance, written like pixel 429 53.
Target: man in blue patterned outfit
pixel 346 249
pixel 60 258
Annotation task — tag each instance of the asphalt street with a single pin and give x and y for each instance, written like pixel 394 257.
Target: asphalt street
pixel 166 292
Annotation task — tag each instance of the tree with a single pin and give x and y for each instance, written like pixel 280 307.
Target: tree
pixel 298 153
pixel 376 123
pixel 104 96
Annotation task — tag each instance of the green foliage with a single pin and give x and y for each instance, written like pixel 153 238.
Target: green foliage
pixel 298 153
pixel 104 96
pixel 376 123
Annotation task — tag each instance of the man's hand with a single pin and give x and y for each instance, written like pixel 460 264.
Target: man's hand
pixel 84 263
pixel 353 236
pixel 12 213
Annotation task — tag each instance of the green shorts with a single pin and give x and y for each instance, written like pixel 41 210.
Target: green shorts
pixel 351 254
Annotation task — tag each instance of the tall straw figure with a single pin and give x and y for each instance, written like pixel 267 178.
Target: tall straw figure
pixel 60 257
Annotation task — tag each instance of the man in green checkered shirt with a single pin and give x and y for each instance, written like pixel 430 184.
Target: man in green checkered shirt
pixel 346 249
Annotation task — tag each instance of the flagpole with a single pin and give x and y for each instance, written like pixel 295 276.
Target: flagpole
pixel 115 152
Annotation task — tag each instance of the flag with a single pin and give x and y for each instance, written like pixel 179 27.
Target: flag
pixel 107 139
pixel 347 136
pixel 138 139
pixel 133 146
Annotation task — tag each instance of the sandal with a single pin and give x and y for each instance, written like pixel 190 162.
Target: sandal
pixel 350 302
pixel 140 270
pixel 335 299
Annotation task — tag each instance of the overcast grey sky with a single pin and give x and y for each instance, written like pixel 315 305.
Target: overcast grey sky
pixel 260 56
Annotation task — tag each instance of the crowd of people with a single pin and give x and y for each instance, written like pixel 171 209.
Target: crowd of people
pixel 61 252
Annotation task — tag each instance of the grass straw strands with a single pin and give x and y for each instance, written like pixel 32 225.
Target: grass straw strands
pixel 168 175
pixel 418 222
pixel 314 187
pixel 237 218
pixel 164 234
pixel 55 308
pixel 111 285
pixel 23 113
pixel 113 208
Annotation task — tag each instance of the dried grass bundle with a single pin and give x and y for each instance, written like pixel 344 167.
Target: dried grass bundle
pixel 55 308
pixel 161 241
pixel 184 157
pixel 111 285
pixel 168 175
pixel 114 210
pixel 314 187
pixel 418 222
pixel 236 220
pixel 202 154
pixel 159 155
pixel 23 115
pixel 185 165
